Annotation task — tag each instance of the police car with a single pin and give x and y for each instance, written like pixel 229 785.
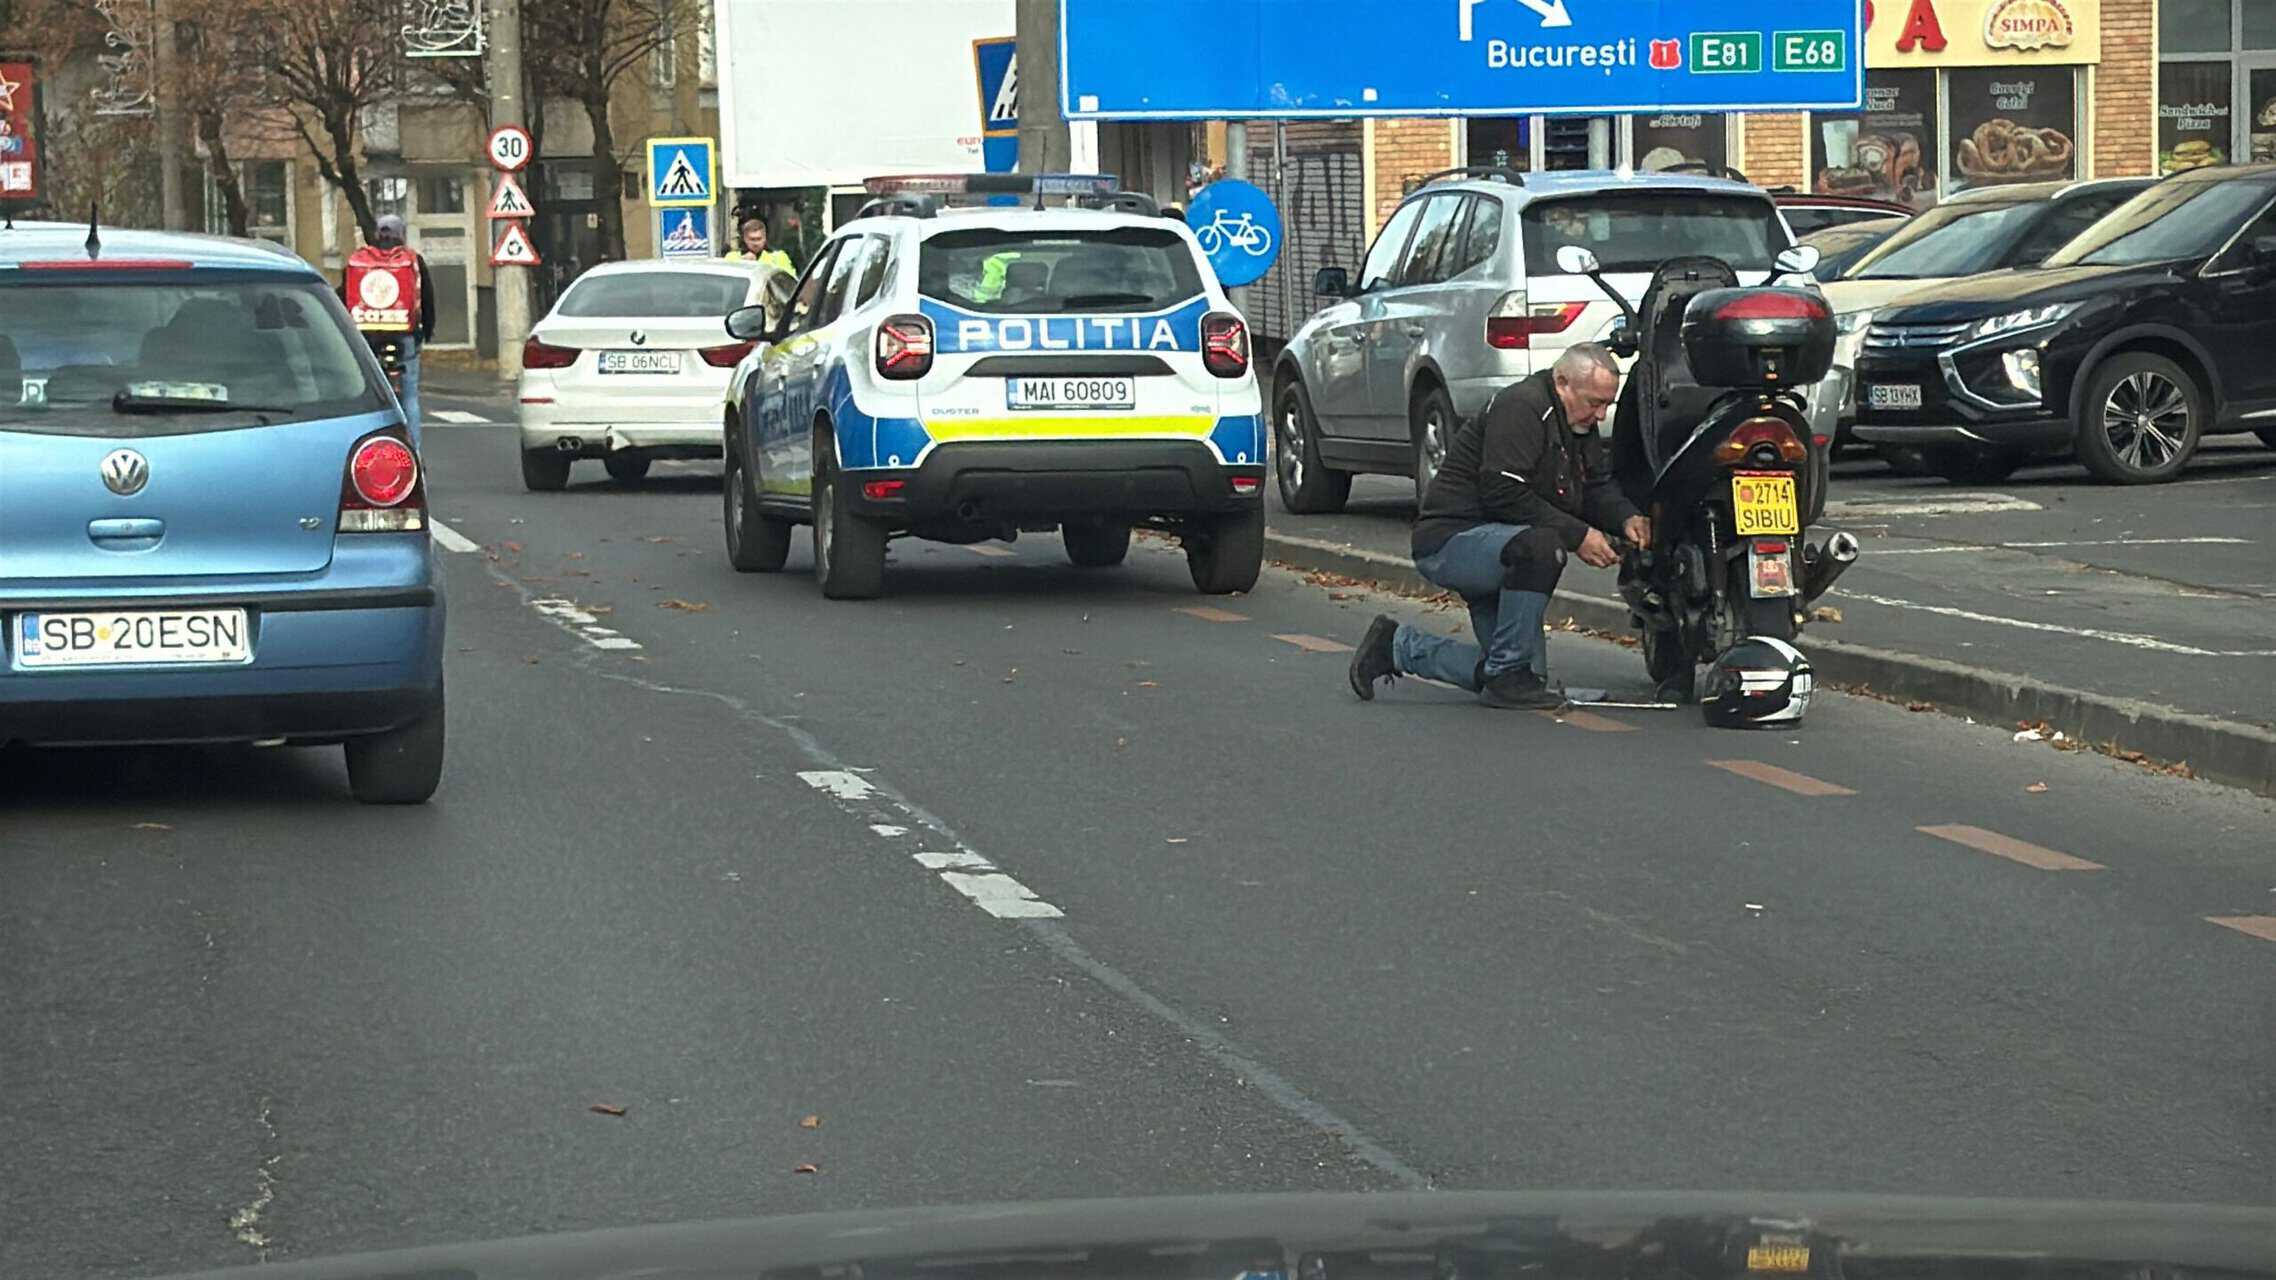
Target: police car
pixel 966 374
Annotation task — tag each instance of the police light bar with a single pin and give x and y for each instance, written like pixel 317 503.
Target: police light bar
pixel 995 184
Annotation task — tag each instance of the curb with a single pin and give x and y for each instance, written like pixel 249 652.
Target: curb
pixel 2225 751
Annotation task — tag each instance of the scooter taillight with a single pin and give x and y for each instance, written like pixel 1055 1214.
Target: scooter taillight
pixel 1762 442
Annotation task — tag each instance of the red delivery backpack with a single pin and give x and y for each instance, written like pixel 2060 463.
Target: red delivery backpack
pixel 383 289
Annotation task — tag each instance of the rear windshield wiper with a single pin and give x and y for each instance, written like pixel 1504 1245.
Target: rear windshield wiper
pixel 125 403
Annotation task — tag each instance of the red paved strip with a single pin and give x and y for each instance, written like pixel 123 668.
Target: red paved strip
pixel 2261 927
pixel 1800 784
pixel 1590 721
pixel 2023 851
pixel 1208 614
pixel 1315 644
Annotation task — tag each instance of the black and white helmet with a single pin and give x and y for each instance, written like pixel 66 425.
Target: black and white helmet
pixel 1758 682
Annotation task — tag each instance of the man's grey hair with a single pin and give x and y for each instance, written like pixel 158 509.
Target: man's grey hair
pixel 1583 359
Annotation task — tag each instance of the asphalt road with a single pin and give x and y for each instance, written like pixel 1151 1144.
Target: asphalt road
pixel 2164 594
pixel 1030 882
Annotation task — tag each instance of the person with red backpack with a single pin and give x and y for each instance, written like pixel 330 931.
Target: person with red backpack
pixel 387 292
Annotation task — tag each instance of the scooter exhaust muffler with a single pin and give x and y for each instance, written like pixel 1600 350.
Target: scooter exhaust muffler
pixel 1830 563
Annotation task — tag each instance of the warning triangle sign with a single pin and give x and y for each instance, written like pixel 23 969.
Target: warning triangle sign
pixel 681 181
pixel 510 201
pixel 514 248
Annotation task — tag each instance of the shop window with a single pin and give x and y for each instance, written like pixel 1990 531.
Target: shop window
pixel 2197 26
pixel 2260 25
pixel 2260 126
pixel 1888 151
pixel 388 195
pixel 1506 141
pixel 1680 138
pixel 1565 142
pixel 2012 124
pixel 2194 110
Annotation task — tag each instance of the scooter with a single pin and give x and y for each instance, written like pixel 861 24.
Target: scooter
pixel 1712 438
pixel 389 348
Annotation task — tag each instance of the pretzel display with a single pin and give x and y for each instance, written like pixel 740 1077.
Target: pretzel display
pixel 2002 150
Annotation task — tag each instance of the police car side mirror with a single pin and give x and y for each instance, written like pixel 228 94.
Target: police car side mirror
pixel 1799 260
pixel 1332 282
pixel 749 324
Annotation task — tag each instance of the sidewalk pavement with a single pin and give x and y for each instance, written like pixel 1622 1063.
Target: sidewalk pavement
pixel 2137 620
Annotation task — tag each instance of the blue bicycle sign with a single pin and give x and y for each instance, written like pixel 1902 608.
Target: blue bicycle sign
pixel 1238 228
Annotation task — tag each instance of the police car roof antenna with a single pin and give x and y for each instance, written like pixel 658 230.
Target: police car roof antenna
pixel 94 237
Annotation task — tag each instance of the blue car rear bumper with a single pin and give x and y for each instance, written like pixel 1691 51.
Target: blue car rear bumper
pixel 353 651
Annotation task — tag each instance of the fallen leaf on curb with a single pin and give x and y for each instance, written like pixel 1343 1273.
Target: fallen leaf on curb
pixel 514 547
pixel 807 1168
pixel 606 1109
pixel 152 826
pixel 2029 735
pixel 1148 684
pixel 531 661
pixel 684 606
pixel 1825 613
pixel 811 1122
pixel 576 555
pixel 2037 788
pixel 1920 706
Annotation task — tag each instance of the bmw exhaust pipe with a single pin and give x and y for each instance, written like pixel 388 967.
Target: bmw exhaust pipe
pixel 1834 559
pixel 569 444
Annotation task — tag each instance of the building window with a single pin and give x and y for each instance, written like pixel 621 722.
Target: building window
pixel 1679 139
pixel 2012 124
pixel 2194 26
pixel 1888 151
pixel 265 183
pixel 442 195
pixel 1504 141
pixel 2194 107
pixel 667 55
pixel 388 195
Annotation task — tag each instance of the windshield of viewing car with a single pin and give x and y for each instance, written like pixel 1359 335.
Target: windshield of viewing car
pixel 2171 220
pixel 1636 231
pixel 130 358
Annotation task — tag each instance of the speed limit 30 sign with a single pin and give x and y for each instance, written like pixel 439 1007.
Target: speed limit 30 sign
pixel 509 148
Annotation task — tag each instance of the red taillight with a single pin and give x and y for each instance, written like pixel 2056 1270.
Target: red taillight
pixel 108 264
pixel 904 347
pixel 1774 304
pixel 1513 322
pixel 880 490
pixel 1247 486
pixel 383 491
pixel 1770 435
pixel 1224 345
pixel 726 357
pixel 544 355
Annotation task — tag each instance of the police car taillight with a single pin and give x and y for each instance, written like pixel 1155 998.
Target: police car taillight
pixel 904 347
pixel 1225 345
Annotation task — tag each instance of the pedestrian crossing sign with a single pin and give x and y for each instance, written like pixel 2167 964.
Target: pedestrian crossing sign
pixel 682 172
pixel 510 201
pixel 683 233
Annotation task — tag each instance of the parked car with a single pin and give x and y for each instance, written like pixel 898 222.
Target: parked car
pixel 214 519
pixel 1807 211
pixel 1842 246
pixel 1985 229
pixel 2147 332
pixel 1460 295
pixel 630 366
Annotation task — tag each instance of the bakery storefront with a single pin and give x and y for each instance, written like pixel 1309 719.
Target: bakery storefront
pixel 2216 83
pixel 1961 94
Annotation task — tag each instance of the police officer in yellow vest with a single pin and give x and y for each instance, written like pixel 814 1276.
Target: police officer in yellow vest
pixel 751 235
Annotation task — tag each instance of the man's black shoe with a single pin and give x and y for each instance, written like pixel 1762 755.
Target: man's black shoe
pixel 1518 689
pixel 1373 661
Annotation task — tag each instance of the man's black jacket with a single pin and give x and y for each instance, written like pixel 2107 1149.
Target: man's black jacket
pixel 1520 462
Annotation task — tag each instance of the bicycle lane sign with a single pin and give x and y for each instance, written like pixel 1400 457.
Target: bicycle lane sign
pixel 1238 228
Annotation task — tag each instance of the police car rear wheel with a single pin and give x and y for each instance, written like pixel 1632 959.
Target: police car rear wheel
pixel 849 551
pixel 1230 555
pixel 756 542
pixel 545 470
pixel 1096 544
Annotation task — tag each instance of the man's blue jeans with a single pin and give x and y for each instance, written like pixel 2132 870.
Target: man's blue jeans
pixel 1507 623
pixel 410 394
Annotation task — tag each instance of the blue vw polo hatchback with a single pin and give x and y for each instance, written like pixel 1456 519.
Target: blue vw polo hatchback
pixel 213 524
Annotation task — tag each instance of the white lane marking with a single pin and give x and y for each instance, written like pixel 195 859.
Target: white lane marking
pixel 981 881
pixel 451 539
pixel 457 417
pixel 2036 546
pixel 984 549
pixel 839 783
pixel 2089 633
pixel 571 617
pixel 1891 505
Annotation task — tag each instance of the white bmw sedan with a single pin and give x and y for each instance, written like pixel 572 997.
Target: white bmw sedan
pixel 632 365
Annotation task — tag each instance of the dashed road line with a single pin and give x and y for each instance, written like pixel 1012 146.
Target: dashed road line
pixel 1208 614
pixel 573 618
pixel 2261 927
pixel 458 418
pixel 1891 505
pixel 1954 548
pixel 1315 644
pixel 988 886
pixel 1800 784
pixel 2014 850
pixel 2024 624
pixel 451 539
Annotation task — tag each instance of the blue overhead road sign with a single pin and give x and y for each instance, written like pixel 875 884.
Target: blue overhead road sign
pixel 1210 59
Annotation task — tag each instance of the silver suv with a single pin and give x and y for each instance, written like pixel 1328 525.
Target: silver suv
pixel 1461 295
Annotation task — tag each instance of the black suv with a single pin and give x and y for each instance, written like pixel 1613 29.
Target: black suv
pixel 2151 330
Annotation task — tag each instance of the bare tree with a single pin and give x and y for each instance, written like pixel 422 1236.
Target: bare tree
pixel 326 63
pixel 216 79
pixel 584 48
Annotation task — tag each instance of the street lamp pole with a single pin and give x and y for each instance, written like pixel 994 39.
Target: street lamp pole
pixel 507 107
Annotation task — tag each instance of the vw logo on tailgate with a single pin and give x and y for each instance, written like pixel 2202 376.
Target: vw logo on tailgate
pixel 126 472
